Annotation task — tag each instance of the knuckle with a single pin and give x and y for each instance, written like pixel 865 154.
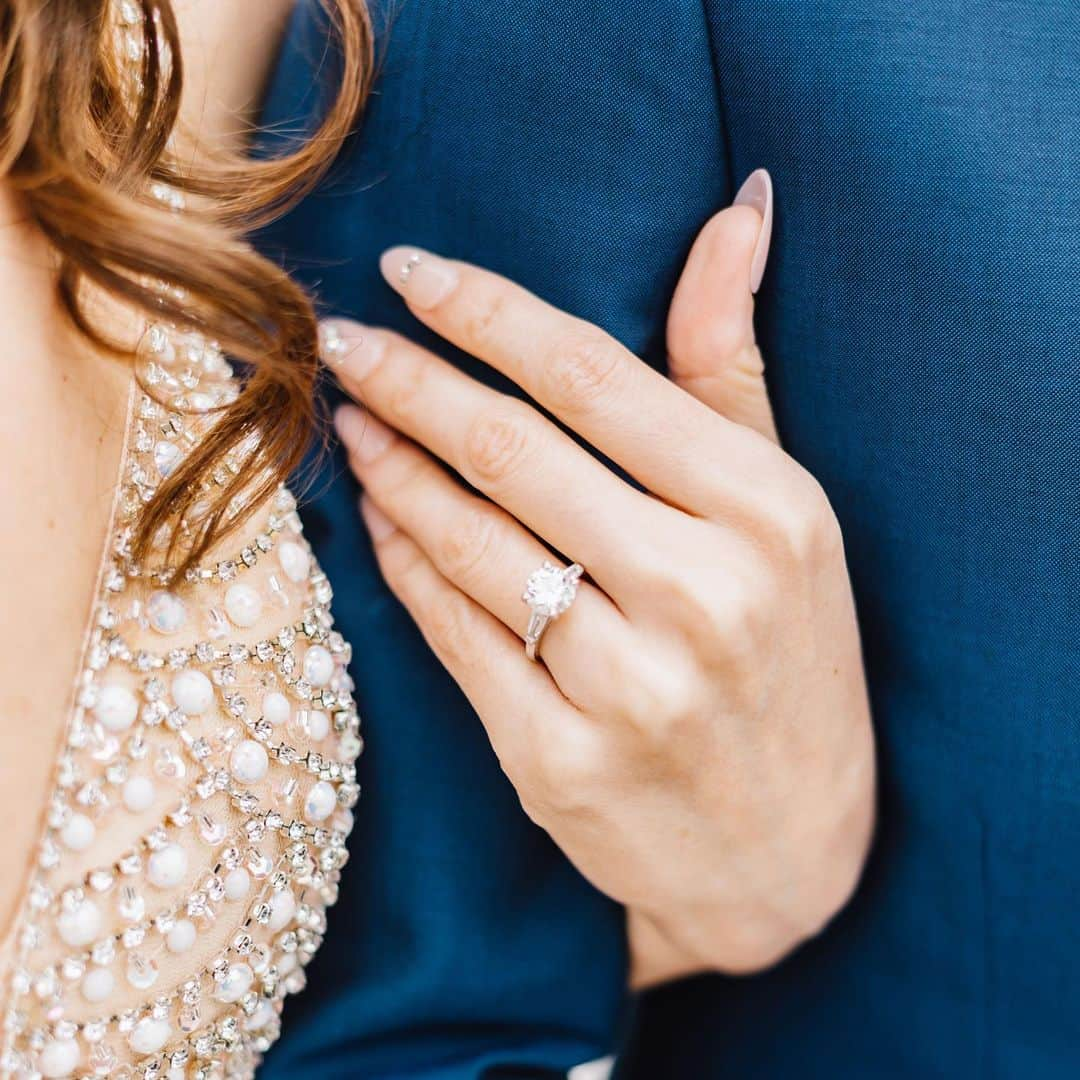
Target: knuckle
pixel 584 367
pixel 395 477
pixel 467 543
pixel 828 536
pixel 564 777
pixel 497 442
pixel 730 340
pixel 742 625
pixel 727 616
pixel 750 947
pixel 485 316
pixel 701 606
pixel 804 523
pixel 739 636
pixel 400 559
pixel 448 628
pixel 409 378
pixel 392 473
pixel 662 696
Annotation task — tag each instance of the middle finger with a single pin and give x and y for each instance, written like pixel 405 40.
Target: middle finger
pixel 481 550
pixel 508 451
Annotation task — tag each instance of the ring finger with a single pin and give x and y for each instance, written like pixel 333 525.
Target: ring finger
pixel 483 551
pixel 515 456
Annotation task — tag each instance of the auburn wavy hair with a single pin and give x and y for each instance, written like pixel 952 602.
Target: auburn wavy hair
pixel 83 142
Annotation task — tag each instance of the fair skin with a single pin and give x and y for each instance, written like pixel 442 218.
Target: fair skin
pixel 697 739
pixel 63 416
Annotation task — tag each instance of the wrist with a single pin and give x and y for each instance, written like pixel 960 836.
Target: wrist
pixel 792 899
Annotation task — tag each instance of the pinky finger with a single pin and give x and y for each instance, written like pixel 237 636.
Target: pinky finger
pixel 514 698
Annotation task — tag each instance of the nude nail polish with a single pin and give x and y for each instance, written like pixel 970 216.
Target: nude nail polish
pixel 349 424
pixel 349 347
pixel 757 192
pixel 366 437
pixel 422 278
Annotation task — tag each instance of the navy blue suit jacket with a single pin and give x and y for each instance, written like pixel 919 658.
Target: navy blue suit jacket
pixel 920 318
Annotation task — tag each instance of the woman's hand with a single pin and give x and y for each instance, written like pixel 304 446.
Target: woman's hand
pixel 697 738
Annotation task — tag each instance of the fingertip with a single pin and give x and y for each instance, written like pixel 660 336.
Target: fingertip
pixel 365 436
pixel 711 347
pixel 733 246
pixel 349 423
pixel 730 236
pixel 332 344
pixel 395 263
pixel 757 192
pixel 421 277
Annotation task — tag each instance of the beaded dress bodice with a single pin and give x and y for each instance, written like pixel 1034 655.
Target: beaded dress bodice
pixel 195 830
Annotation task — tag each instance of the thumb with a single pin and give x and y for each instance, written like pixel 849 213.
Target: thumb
pixel 712 352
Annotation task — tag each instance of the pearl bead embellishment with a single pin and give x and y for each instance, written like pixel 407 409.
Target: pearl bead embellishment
pixel 167 867
pixel 60 1057
pixel 320 802
pixel 235 984
pixel 275 708
pixel 237 883
pixel 282 909
pixel 78 833
pixel 98 985
pixel 149 1035
pixel 116 707
pixel 294 560
pixel 181 937
pixel 264 1014
pixel 318 725
pixel 243 605
pixel 248 762
pixel 166 612
pixel 193 692
pixel 318 665
pixel 81 924
pixel 138 794
pixel 167 456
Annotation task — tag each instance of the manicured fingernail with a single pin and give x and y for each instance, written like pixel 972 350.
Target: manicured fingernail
pixel 422 278
pixel 362 434
pixel 757 192
pixel 350 347
pixel 378 524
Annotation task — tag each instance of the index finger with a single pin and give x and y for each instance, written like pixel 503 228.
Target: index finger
pixel 675 446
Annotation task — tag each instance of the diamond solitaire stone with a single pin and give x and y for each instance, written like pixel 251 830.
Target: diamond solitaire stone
pixel 550 591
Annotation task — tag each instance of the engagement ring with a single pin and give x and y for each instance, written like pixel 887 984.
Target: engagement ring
pixel 549 592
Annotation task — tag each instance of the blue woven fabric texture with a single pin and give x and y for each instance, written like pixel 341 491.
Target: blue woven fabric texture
pixel 920 320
